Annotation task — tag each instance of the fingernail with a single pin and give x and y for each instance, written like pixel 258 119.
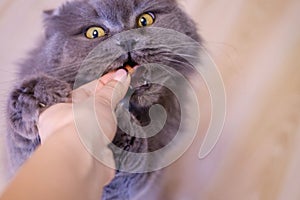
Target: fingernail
pixel 120 75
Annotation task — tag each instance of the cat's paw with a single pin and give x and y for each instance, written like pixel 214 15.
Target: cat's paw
pixel 51 91
pixel 30 98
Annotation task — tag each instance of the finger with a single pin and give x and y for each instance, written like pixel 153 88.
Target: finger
pixel 114 90
pixel 106 78
pixel 89 89
pixel 109 167
pixel 106 99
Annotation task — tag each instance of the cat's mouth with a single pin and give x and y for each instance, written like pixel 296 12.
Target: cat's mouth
pixel 129 65
pixel 136 70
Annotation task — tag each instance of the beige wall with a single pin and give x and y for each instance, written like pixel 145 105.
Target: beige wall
pixel 256 46
pixel 20 26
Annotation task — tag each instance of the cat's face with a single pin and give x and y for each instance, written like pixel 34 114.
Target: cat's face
pixel 76 28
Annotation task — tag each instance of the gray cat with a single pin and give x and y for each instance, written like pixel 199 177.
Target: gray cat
pixel 71 33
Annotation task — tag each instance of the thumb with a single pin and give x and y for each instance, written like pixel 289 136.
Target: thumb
pixel 112 92
pixel 96 132
pixel 107 96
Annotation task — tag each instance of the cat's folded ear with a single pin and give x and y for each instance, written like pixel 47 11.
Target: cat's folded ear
pixel 48 17
pixel 50 13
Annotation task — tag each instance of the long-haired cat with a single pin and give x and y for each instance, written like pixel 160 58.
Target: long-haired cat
pixel 49 74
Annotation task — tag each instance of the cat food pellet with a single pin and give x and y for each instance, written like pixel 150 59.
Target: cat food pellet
pixel 129 69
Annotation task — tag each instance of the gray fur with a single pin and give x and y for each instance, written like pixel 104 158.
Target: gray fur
pixel 48 75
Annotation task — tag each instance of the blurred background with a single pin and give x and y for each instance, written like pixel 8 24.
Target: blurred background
pixel 256 46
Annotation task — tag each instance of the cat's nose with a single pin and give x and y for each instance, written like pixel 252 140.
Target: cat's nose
pixel 128 45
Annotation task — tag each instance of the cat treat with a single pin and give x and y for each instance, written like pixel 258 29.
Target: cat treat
pixel 129 69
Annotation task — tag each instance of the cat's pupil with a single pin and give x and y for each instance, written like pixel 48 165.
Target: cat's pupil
pixel 143 21
pixel 95 34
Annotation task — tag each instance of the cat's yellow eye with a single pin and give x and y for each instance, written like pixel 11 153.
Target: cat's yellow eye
pixel 94 32
pixel 146 19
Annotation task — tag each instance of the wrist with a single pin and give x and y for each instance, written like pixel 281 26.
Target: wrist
pixel 81 163
pixel 53 119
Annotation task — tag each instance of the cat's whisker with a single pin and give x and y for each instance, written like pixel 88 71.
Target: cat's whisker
pixel 9 71
pixel 176 45
pixel 75 66
pixel 177 57
pixel 176 61
pixel 64 67
pixel 10 81
pixel 196 56
pixel 189 56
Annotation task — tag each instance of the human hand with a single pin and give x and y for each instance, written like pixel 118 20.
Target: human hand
pixel 63 167
pixel 96 99
pixel 105 92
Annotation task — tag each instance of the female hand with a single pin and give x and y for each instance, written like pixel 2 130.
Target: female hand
pixel 91 113
pixel 102 95
pixel 62 167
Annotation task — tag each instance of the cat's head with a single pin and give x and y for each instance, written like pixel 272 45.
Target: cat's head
pixel 76 28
